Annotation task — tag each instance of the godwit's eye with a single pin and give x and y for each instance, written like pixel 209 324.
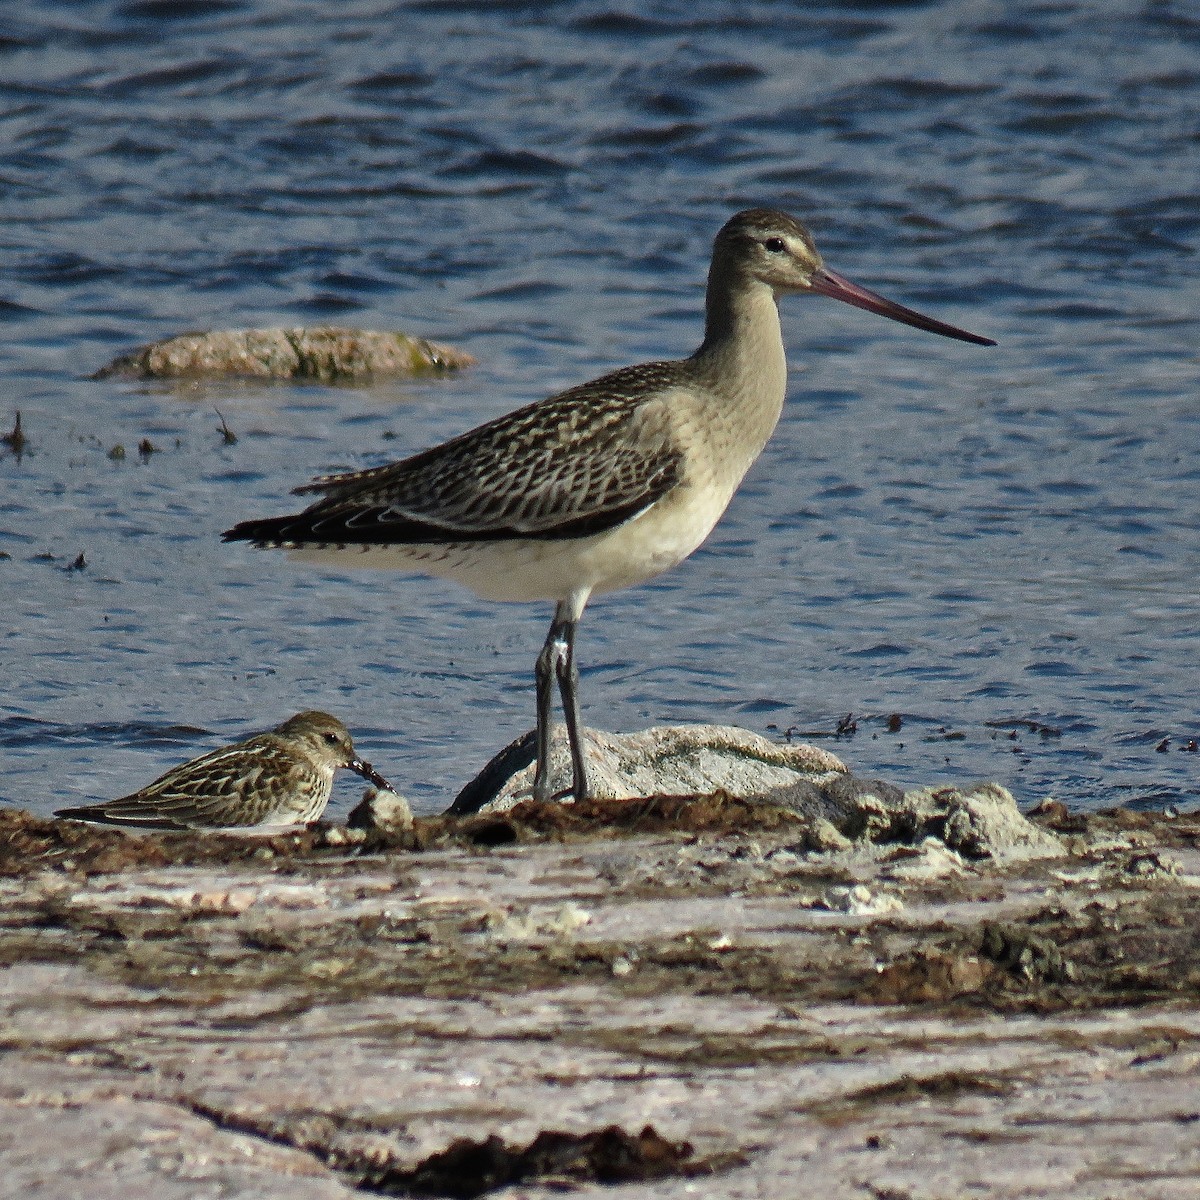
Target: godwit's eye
pixel 775 245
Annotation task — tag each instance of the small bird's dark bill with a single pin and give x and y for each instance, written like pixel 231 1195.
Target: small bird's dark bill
pixel 368 772
pixel 838 287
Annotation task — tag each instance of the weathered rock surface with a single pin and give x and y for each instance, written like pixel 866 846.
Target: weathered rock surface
pixel 703 760
pixel 330 1013
pixel 324 353
pixel 382 812
pixel 675 760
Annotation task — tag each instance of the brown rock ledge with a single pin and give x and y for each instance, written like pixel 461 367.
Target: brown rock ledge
pixel 681 988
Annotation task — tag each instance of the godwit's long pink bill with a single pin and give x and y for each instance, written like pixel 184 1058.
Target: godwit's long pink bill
pixel 597 488
pixel 838 287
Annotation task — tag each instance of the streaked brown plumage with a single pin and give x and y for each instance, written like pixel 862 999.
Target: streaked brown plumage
pixel 597 488
pixel 283 777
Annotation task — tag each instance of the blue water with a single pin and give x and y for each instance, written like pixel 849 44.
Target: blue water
pixel 1001 546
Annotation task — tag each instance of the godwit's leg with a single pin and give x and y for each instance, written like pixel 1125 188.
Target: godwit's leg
pixel 568 687
pixel 557 661
pixel 543 674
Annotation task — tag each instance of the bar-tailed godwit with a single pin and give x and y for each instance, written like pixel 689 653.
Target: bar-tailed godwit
pixel 597 488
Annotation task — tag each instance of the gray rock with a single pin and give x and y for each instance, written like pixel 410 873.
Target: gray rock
pixel 982 823
pixel 678 760
pixel 326 353
pixel 843 809
pixel 859 809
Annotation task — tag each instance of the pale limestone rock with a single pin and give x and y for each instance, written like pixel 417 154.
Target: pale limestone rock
pixel 325 353
pixel 679 760
pixel 286 1051
pixel 982 823
pixel 859 901
pixel 843 810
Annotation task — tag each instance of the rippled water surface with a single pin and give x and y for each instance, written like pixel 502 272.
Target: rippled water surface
pixel 1001 545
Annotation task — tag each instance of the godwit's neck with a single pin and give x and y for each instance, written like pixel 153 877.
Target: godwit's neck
pixel 742 359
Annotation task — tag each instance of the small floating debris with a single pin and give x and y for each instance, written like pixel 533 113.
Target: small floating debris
pixel 1018 723
pixel 227 435
pixel 324 353
pixel 16 441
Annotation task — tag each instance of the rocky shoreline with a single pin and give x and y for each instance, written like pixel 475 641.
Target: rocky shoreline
pixel 671 996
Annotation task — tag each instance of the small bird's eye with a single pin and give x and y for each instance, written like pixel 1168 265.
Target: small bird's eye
pixel 775 245
pixel 332 738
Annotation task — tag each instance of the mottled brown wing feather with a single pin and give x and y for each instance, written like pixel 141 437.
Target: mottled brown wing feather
pixel 578 463
pixel 234 785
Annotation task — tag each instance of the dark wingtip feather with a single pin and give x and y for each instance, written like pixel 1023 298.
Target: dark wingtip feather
pixel 99 814
pixel 83 813
pixel 266 531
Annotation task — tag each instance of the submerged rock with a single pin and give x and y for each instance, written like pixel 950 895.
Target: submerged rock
pixel 325 353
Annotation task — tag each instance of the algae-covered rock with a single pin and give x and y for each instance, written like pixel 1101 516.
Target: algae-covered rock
pixel 982 823
pixel 324 353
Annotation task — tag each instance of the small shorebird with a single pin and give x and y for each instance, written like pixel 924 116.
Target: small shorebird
pixel 600 487
pixel 283 777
